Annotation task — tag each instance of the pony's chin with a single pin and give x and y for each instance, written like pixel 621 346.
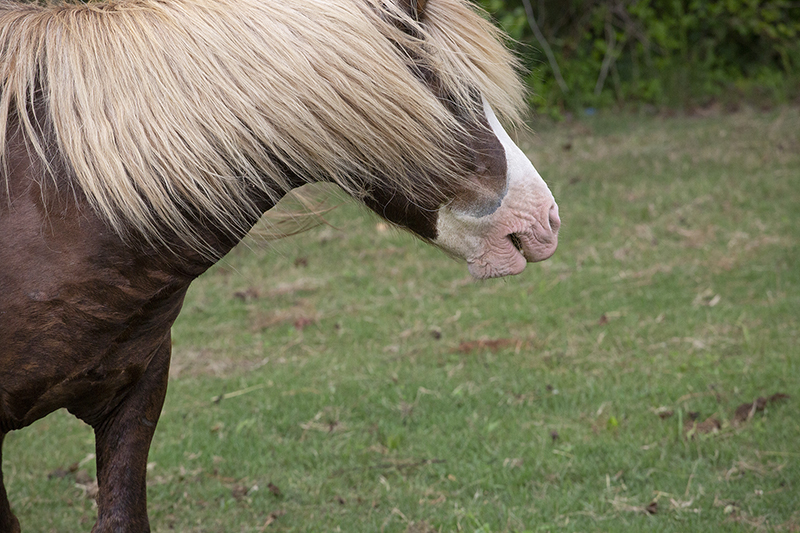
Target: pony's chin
pixel 503 260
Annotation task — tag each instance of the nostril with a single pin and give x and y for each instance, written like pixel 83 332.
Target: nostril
pixel 555 221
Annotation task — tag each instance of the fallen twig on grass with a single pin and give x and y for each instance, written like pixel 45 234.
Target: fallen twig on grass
pixel 234 394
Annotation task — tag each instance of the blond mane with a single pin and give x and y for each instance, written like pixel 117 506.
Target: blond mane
pixel 160 107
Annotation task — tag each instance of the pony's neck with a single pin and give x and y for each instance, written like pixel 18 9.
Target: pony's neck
pixel 217 242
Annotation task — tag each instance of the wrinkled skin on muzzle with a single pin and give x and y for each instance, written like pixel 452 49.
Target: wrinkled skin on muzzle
pixel 523 228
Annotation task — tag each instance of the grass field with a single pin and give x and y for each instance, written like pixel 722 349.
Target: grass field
pixel 353 379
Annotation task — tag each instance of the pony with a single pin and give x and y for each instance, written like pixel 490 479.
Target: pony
pixel 140 140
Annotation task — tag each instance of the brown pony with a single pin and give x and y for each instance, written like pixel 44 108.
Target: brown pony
pixel 141 139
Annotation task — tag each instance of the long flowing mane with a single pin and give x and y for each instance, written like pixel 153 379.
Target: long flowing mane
pixel 163 107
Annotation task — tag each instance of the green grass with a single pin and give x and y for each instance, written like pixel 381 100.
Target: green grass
pixel 380 389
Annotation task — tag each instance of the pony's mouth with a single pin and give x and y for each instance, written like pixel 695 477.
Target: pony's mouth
pixel 516 241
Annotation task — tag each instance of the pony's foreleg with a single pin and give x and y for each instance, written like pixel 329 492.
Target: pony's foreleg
pixel 8 522
pixel 122 442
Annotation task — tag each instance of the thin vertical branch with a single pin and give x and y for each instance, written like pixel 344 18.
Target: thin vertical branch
pixel 611 41
pixel 543 42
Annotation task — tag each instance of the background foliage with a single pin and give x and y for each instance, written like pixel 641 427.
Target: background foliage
pixel 665 53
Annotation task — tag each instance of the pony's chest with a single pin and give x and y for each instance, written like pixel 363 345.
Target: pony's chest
pixel 81 313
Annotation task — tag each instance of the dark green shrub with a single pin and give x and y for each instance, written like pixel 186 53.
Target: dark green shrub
pixel 676 53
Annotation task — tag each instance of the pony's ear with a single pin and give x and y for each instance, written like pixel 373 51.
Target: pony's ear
pixel 415 8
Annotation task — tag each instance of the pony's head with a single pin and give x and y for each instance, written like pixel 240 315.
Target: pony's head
pixel 498 213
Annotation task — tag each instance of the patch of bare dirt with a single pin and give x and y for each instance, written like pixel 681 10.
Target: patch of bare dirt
pixel 301 315
pixel 492 345
pixel 746 411
pixel 694 427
